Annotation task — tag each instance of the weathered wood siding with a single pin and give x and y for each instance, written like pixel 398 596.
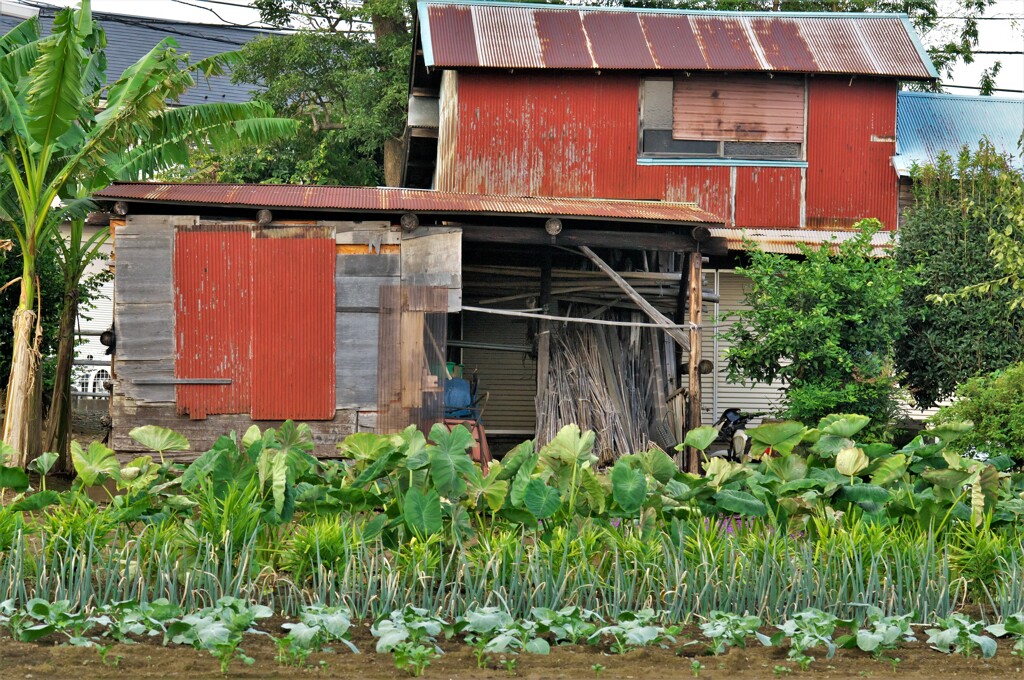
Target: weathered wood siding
pixel 144 307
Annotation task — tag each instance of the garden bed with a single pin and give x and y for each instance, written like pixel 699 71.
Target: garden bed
pixel 149 659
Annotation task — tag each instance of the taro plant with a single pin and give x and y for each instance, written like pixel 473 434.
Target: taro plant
pixel 634 630
pixel 725 630
pixel 959 634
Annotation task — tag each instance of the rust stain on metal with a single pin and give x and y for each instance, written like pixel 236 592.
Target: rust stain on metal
pixel 594 38
pixel 212 306
pixel 850 176
pixel 293 329
pixel 559 125
pixel 767 197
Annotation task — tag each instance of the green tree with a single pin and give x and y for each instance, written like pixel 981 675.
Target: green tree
pixel 962 207
pixel 823 326
pixel 64 133
pixel 994 402
pixel 344 75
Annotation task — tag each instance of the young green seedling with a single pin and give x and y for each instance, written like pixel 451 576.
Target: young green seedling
pixel 880 633
pixel 727 630
pixel 960 635
pixel 1013 625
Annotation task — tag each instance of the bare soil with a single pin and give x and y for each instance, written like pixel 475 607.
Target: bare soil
pixel 149 659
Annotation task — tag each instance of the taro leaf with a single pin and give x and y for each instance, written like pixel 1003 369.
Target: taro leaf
pixel 1001 463
pixel 877 450
pixel 740 502
pixel 949 432
pixel 700 438
pixel 788 468
pixel 946 479
pixel 13 478
pixel 422 512
pixel 720 470
pixel 380 467
pixel 571 446
pixel 851 461
pixel 890 470
pixel 159 439
pixel 251 436
pixel 515 459
pixel 779 437
pixel 44 463
pixel 843 424
pixel 629 488
pixel 596 493
pixel 36 501
pixel 449 461
pixel 540 499
pixel 522 478
pixel 658 465
pixel 798 485
pixel 94 465
pixel 366 446
pixel 517 516
pixel 829 445
pixel 863 493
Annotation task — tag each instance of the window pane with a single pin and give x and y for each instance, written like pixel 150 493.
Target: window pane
pixel 657 103
pixel 761 150
pixel 661 142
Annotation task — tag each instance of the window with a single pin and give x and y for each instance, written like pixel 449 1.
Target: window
pixel 722 117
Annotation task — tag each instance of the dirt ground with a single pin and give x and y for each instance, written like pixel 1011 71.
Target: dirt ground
pixel 151 660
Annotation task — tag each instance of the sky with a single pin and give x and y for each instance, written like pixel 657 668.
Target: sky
pixel 1003 31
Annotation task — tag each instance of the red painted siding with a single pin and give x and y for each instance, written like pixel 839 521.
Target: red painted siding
pixel 575 135
pixel 293 329
pixel 767 197
pixel 212 283
pixel 851 132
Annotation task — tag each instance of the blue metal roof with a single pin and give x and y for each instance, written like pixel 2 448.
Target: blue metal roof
pixel 928 124
pixel 130 37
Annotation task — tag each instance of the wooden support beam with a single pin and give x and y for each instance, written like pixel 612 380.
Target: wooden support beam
pixel 694 277
pixel 543 340
pixel 675 333
pixel 627 240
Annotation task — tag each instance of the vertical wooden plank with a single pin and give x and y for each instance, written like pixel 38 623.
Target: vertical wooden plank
pixel 695 295
pixel 293 329
pixel 543 342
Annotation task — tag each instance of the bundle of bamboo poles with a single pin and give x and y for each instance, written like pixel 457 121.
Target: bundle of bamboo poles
pixel 609 380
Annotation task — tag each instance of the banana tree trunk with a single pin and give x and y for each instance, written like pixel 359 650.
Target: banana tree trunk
pixel 22 420
pixel 57 431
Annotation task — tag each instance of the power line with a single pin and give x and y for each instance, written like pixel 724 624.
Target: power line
pixel 975 87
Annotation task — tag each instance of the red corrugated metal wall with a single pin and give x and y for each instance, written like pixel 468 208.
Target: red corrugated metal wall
pixel 851 133
pixel 293 329
pixel 767 197
pixel 575 135
pixel 212 284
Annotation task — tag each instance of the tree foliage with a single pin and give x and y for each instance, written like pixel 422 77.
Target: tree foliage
pixel 823 326
pixel 65 133
pixel 963 208
pixel 995 404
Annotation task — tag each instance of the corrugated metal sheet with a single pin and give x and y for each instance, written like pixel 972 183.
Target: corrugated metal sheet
pixel 739 108
pixel 767 197
pixel 930 124
pixel 379 199
pixel 213 318
pixel 448 133
pixel 454 35
pixel 849 173
pixel 786 240
pixel 293 329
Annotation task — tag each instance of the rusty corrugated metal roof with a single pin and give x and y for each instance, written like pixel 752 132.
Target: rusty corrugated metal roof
pixel 384 199
pixel 787 240
pixel 509 35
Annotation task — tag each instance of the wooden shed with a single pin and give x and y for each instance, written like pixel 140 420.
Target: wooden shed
pixel 342 307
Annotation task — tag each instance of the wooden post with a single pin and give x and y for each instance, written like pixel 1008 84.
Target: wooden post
pixel 543 343
pixel 694 295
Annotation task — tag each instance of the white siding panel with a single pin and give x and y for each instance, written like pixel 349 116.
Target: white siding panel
pixel 720 394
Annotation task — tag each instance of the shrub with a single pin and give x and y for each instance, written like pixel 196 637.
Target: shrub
pixel 995 404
